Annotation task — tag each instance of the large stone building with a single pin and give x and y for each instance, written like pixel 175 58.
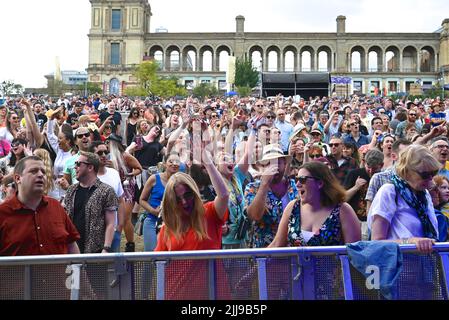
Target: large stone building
pixel 120 38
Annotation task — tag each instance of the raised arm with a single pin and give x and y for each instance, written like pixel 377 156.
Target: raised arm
pixel 30 121
pixel 52 138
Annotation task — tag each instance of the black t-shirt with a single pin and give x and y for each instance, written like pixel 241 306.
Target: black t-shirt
pixel 116 119
pixel 150 154
pixel 79 215
pixel 358 202
pixel 41 119
pixel 73 117
pixel 131 132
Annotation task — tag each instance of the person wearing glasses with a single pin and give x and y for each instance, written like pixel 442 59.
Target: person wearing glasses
pixel 111 177
pixel 340 165
pixel 411 119
pixel 191 225
pixel 319 216
pixel 440 150
pixel 83 138
pixel 92 206
pixel 12 128
pixel 270 118
pixel 402 210
pixel 267 197
pixel 355 136
pixel 113 116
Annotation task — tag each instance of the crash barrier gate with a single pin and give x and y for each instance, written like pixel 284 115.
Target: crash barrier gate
pixel 314 273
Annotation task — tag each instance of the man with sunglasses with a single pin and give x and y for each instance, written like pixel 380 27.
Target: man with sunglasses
pixel 92 206
pixel 411 119
pixel 82 141
pixel 338 163
pixel 355 136
pixel 111 177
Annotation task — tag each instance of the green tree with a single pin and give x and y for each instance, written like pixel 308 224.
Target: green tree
pixel 8 88
pixel 244 91
pixel 245 74
pixel 91 88
pixel 205 90
pixel 146 73
pixel 135 92
pixel 152 84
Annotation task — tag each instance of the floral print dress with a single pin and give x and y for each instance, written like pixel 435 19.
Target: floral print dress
pixel 329 235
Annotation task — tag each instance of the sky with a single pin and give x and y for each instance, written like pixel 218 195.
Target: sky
pixel 35 32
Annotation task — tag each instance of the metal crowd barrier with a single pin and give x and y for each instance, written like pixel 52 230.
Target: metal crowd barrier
pixel 313 273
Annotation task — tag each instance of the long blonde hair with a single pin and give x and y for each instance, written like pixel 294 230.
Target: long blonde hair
pixel 45 156
pixel 171 211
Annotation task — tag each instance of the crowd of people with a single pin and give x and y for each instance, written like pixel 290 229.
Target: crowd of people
pixel 222 173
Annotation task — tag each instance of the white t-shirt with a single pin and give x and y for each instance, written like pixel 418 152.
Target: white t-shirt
pixel 404 221
pixel 6 135
pixel 112 178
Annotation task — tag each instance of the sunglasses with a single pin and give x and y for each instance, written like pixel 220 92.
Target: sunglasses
pixel 15 145
pixel 214 116
pixel 85 135
pixel 412 114
pixel 314 156
pixel 427 175
pixel 101 153
pixel 135 114
pixel 353 124
pixel 189 195
pixel 78 163
pixel 303 179
pixel 269 117
pixel 334 144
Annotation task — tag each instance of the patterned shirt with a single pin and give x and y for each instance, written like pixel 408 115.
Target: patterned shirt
pixel 377 181
pixel 266 229
pixel 102 198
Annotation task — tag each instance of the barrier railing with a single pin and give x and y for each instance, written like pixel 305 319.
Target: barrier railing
pixel 312 273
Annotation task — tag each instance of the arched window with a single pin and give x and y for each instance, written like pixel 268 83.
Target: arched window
pixel 114 86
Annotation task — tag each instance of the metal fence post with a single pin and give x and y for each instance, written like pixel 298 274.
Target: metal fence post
pixel 307 280
pixel 262 278
pixel 160 289
pixel 27 283
pixel 347 283
pixel 75 281
pixel 296 277
pixel 445 266
pixel 212 280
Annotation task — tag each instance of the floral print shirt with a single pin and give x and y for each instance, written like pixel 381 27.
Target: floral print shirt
pixel 329 234
pixel 264 231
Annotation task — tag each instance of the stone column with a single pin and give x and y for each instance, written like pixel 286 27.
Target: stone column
pixel 418 61
pixel 400 62
pixel 181 61
pixel 315 61
pixel 281 62
pixel 366 62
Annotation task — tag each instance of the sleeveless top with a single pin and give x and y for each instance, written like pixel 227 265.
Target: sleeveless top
pixel 157 193
pixel 329 235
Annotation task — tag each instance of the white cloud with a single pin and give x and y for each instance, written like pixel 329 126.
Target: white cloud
pixel 35 32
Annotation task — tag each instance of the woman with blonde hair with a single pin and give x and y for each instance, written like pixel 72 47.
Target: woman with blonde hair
pixel 320 216
pixel 402 211
pixel 50 188
pixel 191 225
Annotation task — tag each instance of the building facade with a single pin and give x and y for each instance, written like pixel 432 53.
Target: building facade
pixel 120 39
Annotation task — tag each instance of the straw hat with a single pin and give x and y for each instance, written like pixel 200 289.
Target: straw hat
pixel 272 152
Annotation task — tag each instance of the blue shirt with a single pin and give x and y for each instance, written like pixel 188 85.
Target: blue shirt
pixel 286 130
pixel 361 142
